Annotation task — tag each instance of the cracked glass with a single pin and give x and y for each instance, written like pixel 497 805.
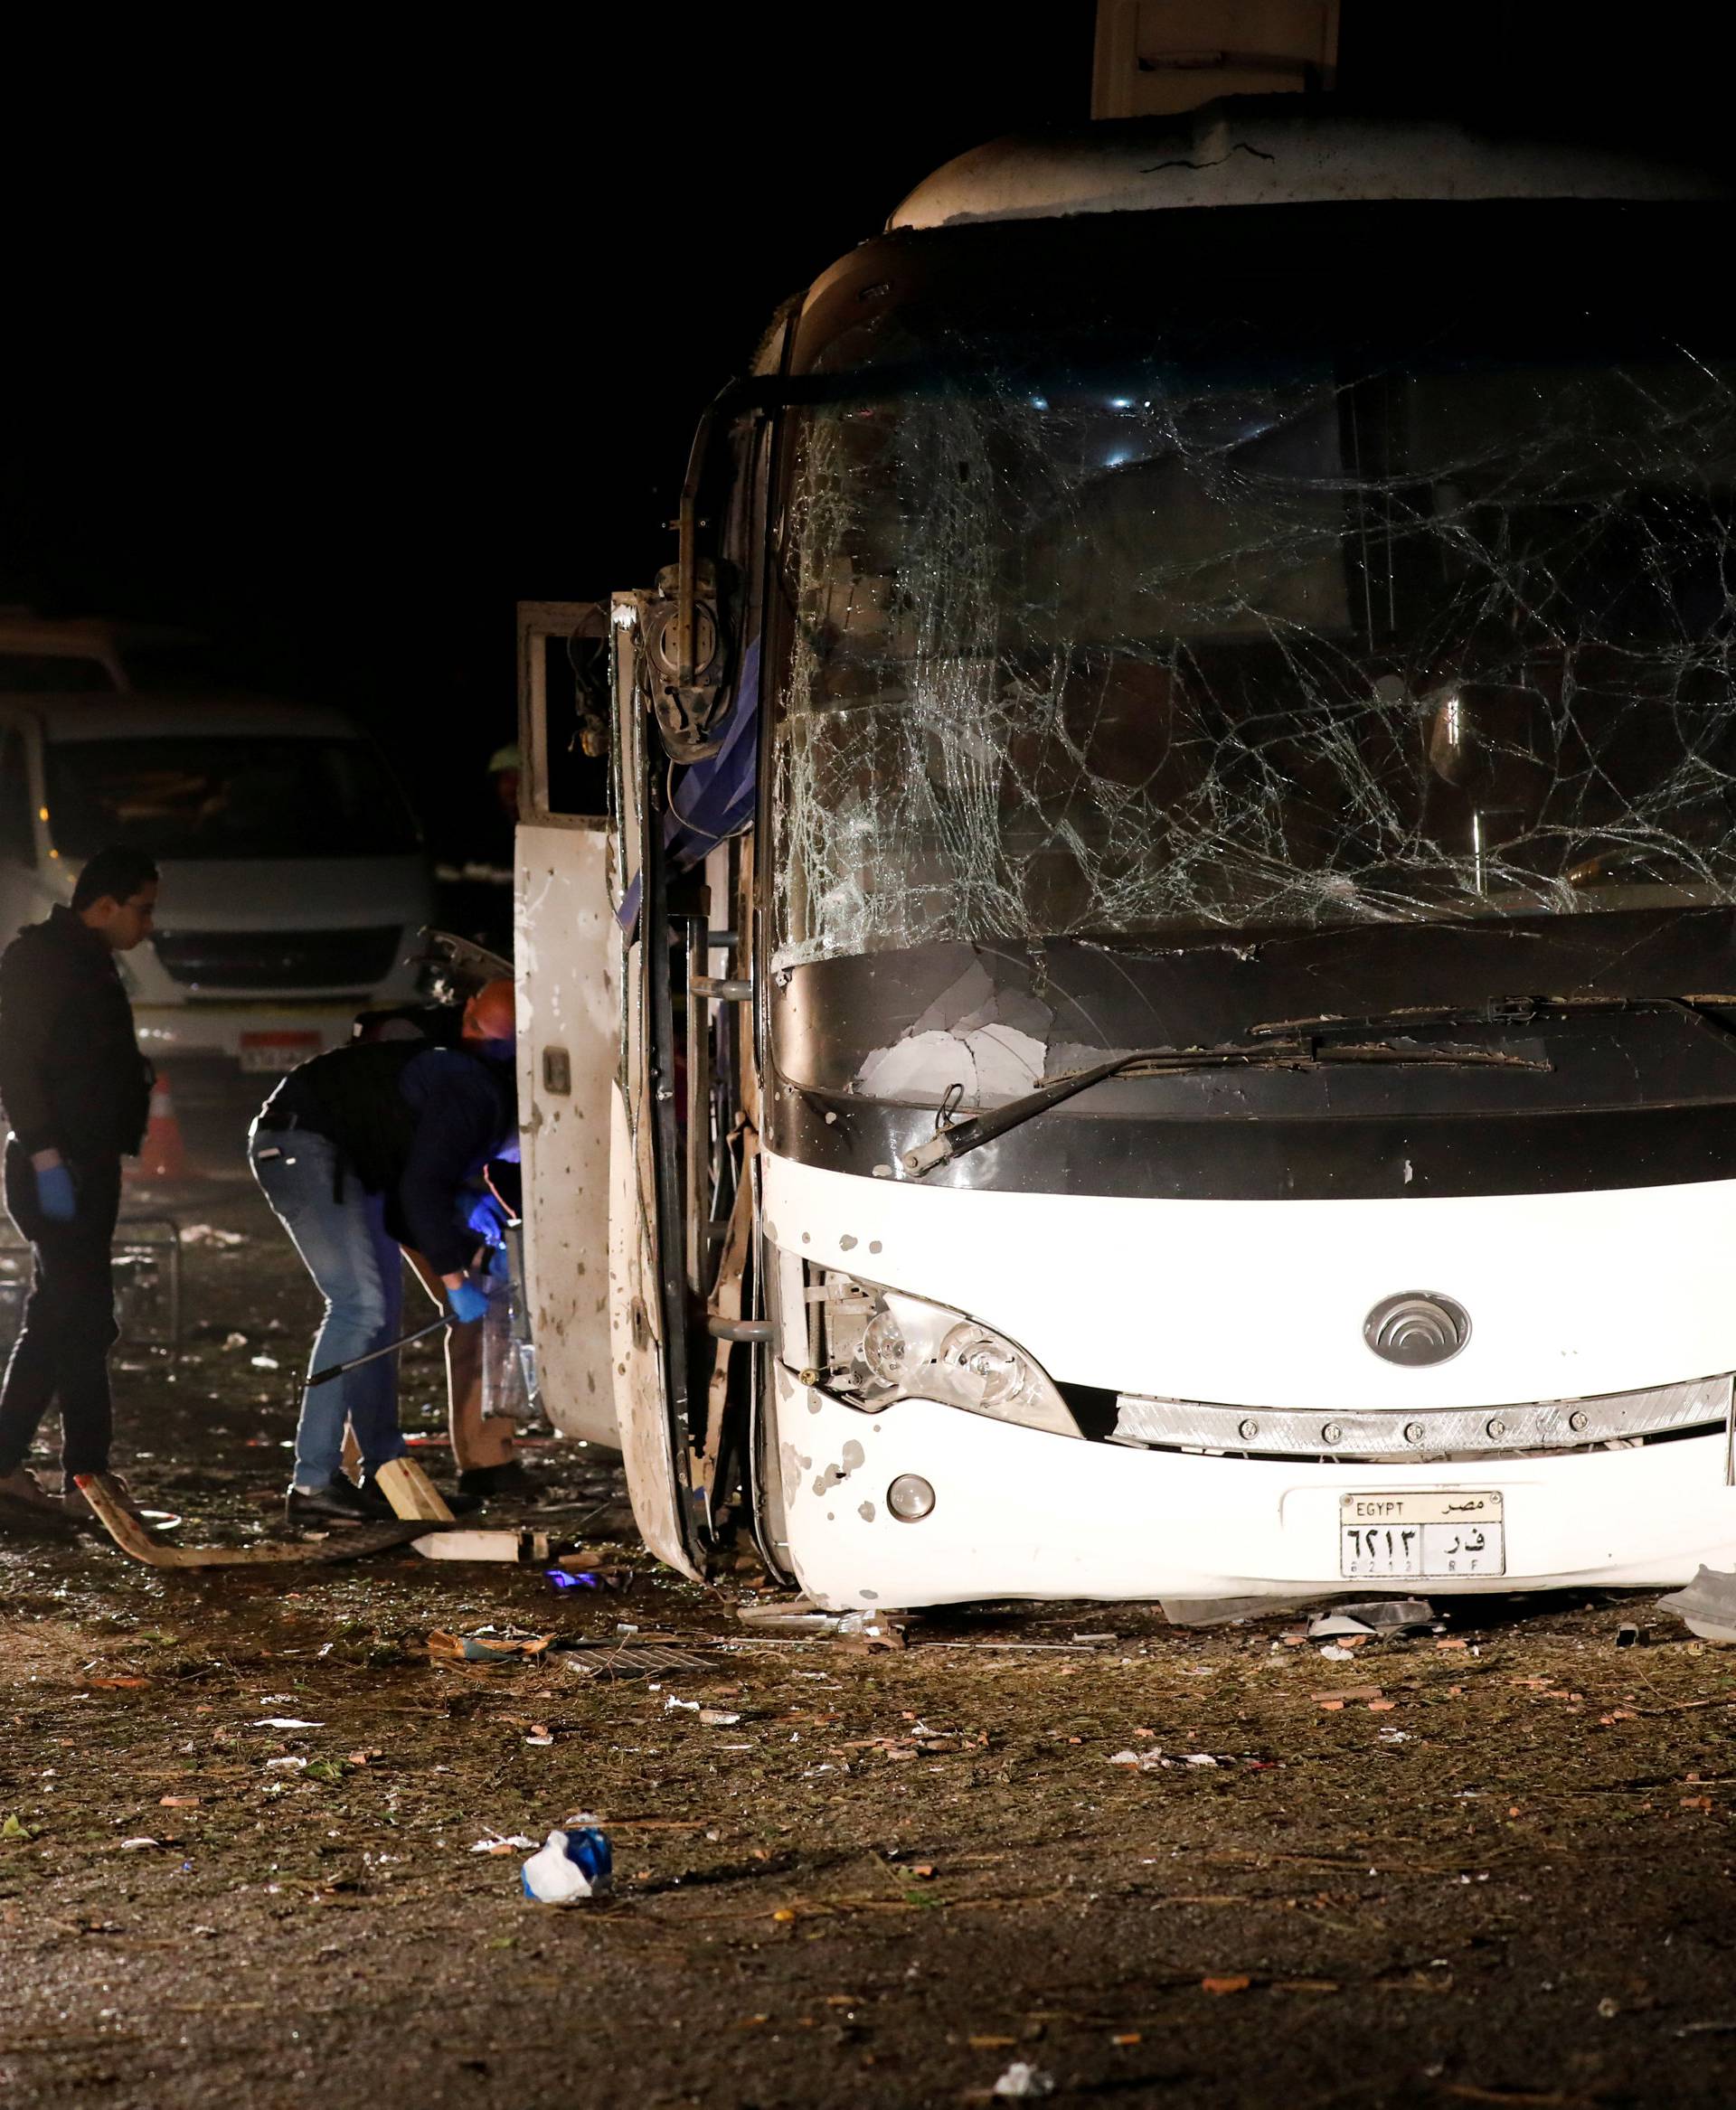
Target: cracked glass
pixel 1256 619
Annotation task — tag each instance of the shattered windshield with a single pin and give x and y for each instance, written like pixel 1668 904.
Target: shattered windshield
pixel 1383 606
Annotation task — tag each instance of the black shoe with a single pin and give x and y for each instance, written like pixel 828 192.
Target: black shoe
pixel 509 1481
pixel 339 1501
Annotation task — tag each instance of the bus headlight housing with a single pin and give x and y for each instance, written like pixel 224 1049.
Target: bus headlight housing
pixel 874 1346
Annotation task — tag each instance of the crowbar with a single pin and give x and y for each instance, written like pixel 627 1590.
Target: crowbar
pixel 336 1369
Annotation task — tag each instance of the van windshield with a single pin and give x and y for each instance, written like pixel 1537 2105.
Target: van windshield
pixel 226 797
pixel 1262 612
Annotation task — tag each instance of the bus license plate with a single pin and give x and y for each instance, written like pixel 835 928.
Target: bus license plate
pixel 1452 1532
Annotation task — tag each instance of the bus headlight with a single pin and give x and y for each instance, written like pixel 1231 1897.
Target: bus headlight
pixel 885 1352
pixel 874 1346
pixel 983 1370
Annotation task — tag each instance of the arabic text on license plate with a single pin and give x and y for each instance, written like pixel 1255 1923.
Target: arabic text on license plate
pixel 275 1052
pixel 1445 1533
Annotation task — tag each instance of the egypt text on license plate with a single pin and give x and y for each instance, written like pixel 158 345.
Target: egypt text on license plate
pixel 1453 1531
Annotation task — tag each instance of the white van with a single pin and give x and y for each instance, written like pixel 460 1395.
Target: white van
pixel 294 878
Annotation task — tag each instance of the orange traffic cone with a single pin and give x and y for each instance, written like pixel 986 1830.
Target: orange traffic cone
pixel 164 1155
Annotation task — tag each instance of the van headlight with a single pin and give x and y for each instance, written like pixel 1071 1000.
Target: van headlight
pixel 872 1346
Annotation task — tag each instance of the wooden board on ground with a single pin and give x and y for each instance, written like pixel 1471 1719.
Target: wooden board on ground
pixel 530 1549
pixel 412 1494
pixel 139 1544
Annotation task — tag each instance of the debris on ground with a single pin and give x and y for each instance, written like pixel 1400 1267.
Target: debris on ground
pixel 520 1546
pixel 1380 1619
pixel 112 1507
pixel 866 1630
pixel 1545 1814
pixel 1708 1604
pixel 1022 2081
pixel 484 1647
pixel 624 1660
pixel 208 1234
pixel 410 1490
pixel 570 1867
pixel 798 1617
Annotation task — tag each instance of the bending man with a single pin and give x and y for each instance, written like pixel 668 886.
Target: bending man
pixel 364 1149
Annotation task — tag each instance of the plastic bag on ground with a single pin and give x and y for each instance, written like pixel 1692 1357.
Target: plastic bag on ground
pixel 1021 2081
pixel 571 1866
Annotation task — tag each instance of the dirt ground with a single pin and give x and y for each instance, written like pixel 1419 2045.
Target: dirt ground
pixel 1498 1872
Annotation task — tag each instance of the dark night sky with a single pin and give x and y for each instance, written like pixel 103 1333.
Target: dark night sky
pixel 334 350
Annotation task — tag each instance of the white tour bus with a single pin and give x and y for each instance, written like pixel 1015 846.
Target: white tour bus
pixel 1160 942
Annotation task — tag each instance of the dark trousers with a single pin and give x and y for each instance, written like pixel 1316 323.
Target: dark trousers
pixel 61 1355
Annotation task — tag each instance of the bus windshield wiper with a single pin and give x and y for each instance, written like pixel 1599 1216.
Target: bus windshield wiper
pixel 947 1144
pixel 1494 1011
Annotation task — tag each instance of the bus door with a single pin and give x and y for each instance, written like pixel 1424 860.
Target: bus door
pixel 565 966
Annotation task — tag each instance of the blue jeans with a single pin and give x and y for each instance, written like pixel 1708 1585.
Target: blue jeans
pixel 358 1269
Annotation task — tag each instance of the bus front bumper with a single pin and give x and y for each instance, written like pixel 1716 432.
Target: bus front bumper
pixel 1019 1512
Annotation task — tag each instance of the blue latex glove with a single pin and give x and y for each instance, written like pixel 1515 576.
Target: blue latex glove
pixel 500 1266
pixel 468 1303
pixel 54 1194
pixel 487 1218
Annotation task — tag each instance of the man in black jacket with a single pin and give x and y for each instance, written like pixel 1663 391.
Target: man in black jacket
pixel 77 1096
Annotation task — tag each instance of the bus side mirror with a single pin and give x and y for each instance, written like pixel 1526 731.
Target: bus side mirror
pixel 688 627
pixel 689 647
